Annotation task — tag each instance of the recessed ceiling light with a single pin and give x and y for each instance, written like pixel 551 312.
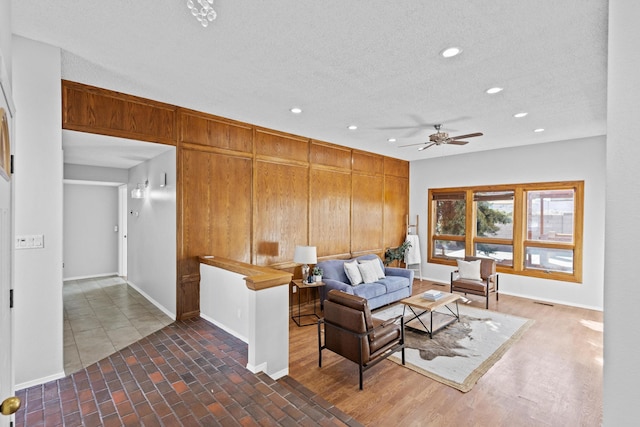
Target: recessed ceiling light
pixel 392 140
pixel 296 110
pixel 538 130
pixel 450 52
pixel 493 90
pixel 520 115
pixel 352 127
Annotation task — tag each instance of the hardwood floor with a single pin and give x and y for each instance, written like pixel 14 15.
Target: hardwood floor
pixel 551 377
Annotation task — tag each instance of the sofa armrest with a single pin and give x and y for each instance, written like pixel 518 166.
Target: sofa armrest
pixel 396 271
pixel 333 284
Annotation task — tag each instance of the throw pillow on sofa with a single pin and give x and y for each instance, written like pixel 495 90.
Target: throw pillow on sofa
pixel 376 266
pixel 353 273
pixel 368 272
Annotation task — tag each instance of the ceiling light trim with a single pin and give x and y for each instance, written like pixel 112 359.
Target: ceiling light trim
pixel 450 52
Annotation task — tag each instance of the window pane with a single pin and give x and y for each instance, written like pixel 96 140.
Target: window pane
pixel 503 254
pixel 550 215
pixel 450 217
pixel 448 249
pixel 549 259
pixel 494 213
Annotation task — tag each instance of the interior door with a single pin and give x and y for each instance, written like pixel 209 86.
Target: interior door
pixel 6 257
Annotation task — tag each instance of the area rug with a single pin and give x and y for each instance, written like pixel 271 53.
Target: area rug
pixel 461 353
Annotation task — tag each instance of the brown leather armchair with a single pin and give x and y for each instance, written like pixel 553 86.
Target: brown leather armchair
pixel 351 331
pixel 487 284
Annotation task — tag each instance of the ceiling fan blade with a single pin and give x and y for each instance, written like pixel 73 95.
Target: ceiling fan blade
pixel 470 135
pixel 426 146
pixel 411 145
pixel 456 142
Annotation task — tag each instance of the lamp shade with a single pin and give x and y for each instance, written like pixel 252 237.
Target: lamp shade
pixel 305 255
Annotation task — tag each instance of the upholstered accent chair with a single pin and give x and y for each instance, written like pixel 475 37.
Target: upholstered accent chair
pixel 351 331
pixel 481 284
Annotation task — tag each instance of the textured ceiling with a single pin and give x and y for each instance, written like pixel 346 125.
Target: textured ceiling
pixel 373 63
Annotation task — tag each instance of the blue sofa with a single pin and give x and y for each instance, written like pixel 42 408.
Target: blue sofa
pixel 397 284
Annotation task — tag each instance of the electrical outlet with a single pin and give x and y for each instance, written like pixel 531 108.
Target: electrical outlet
pixel 33 241
pixel 295 289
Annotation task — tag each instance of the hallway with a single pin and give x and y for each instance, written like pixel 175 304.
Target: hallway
pixel 103 315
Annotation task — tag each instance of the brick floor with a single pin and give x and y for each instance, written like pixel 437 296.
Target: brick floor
pixel 189 373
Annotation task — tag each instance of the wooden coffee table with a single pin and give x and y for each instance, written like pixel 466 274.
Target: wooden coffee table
pixel 420 306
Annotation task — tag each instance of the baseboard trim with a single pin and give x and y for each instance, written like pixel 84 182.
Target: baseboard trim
pixel 92 276
pixel 224 328
pixel 153 301
pixel 40 381
pixel 534 298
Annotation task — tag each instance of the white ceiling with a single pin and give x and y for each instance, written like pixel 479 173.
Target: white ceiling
pixel 98 150
pixel 372 63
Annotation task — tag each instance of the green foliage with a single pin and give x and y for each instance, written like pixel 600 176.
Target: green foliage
pixel 488 220
pixel 451 220
pixel 396 254
pixel 317 271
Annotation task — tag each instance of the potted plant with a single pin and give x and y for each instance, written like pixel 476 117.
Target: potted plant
pixel 396 254
pixel 317 274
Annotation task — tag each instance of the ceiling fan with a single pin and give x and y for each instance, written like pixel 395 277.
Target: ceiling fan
pixel 440 138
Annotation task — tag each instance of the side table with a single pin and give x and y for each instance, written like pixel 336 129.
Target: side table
pixel 300 284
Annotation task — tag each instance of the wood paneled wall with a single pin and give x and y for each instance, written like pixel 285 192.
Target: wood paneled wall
pixel 252 194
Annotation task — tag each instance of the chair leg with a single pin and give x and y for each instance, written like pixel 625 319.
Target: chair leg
pixel 360 367
pixel 319 346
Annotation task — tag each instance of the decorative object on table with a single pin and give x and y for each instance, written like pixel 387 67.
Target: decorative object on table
pixel 433 295
pixel 396 254
pixel 461 353
pixel 317 274
pixel 305 255
pixel 475 276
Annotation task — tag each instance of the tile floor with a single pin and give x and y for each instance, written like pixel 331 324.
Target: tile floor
pixel 189 373
pixel 103 315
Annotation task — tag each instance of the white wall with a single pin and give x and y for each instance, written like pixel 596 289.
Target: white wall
pixel 582 159
pixel 38 210
pixel 152 232
pixel 5 34
pixel 622 297
pixel 95 173
pixel 90 238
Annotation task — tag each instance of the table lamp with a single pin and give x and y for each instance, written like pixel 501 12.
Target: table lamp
pixel 305 255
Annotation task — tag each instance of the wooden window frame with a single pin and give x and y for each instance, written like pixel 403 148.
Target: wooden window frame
pixel 520 242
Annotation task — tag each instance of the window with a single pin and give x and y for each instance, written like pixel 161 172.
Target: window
pixel 449 225
pixel 529 229
pixel 494 225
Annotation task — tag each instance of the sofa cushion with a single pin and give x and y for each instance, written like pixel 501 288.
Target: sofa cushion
pixel 333 269
pixel 370 290
pixel 353 272
pixel 368 272
pixel 393 283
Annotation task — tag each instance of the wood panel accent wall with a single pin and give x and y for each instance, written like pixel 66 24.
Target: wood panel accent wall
pixel 252 194
pixel 95 110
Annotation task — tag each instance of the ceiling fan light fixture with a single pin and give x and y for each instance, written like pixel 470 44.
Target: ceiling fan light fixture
pixel 520 115
pixel 450 52
pixel 494 90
